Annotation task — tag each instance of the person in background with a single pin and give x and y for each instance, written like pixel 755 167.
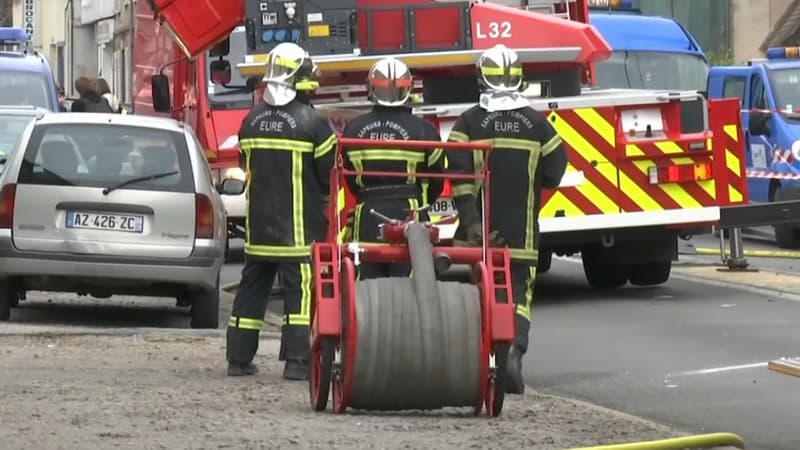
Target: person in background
pixel 90 101
pixel 62 98
pixel 102 88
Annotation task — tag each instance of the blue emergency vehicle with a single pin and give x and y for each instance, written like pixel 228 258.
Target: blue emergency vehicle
pixel 769 90
pixel 25 76
pixel 649 52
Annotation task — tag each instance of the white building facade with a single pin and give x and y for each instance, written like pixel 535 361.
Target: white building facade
pixel 46 22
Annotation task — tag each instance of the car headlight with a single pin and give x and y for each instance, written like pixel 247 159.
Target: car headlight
pixel 236 173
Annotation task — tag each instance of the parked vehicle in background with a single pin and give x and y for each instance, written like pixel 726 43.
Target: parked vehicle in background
pixel 769 90
pixel 25 76
pixel 13 121
pixel 110 204
pixel 649 52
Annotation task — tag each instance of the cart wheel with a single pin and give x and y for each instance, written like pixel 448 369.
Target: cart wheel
pixel 480 278
pixel 496 390
pixel 320 379
pixel 343 372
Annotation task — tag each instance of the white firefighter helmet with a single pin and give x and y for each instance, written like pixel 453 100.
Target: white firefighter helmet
pixel 287 64
pixel 500 69
pixel 389 82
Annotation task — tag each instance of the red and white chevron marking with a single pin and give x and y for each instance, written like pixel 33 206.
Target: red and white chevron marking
pixel 772 175
pixel 782 156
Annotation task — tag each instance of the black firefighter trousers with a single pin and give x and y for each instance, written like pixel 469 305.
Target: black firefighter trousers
pixel 250 304
pixel 523 278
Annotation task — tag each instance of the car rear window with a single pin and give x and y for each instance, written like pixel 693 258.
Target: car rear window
pixel 94 155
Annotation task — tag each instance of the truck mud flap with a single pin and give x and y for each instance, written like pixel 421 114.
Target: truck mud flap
pixel 754 215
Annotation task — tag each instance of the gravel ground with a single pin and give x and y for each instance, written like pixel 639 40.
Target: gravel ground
pixel 166 389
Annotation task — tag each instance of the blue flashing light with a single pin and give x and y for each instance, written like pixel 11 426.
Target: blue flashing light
pixel 280 35
pixel 611 4
pixel 13 35
pixel 296 35
pixel 783 53
pixel 267 36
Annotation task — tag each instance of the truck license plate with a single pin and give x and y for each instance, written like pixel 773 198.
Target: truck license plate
pixel 111 222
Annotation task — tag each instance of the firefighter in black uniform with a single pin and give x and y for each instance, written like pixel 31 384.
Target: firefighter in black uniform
pixel 527 156
pixel 389 85
pixel 287 151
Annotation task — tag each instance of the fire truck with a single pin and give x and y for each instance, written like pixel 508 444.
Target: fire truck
pixel 646 167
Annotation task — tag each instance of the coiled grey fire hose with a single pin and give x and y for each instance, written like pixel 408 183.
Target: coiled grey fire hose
pixel 419 340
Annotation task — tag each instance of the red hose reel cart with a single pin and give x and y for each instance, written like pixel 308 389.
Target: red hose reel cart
pixel 414 343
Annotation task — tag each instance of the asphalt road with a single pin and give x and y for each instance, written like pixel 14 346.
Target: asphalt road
pixel 685 354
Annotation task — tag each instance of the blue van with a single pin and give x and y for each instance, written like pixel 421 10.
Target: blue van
pixel 769 90
pixel 25 75
pixel 649 52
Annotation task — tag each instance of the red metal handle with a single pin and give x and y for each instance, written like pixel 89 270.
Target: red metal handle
pixel 380 173
pixel 351 142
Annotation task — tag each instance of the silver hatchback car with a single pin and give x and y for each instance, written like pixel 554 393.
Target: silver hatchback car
pixel 110 204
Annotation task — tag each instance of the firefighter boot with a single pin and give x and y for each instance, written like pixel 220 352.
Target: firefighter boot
pixel 514 382
pixel 241 369
pixel 295 369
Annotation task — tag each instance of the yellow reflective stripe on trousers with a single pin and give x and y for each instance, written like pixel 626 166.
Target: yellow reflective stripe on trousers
pixel 297 200
pixel 281 251
pixel 326 147
pixel 245 323
pixel 525 310
pixel 303 318
pixel 292 145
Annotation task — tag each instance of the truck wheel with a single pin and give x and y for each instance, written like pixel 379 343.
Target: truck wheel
pixel 205 308
pixel 545 261
pixel 602 276
pixel 649 274
pixel 786 236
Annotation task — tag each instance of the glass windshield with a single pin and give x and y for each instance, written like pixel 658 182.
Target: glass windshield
pixel 11 128
pixel 105 155
pixel 786 88
pixel 24 88
pixel 235 96
pixel 652 70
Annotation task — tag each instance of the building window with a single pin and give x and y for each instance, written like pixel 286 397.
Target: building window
pixel 6 14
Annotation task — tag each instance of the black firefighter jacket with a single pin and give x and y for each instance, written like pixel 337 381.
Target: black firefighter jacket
pixel 391 196
pixel 527 155
pixel 287 153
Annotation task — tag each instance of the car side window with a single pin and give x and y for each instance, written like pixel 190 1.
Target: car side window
pixel 758 95
pixel 734 87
